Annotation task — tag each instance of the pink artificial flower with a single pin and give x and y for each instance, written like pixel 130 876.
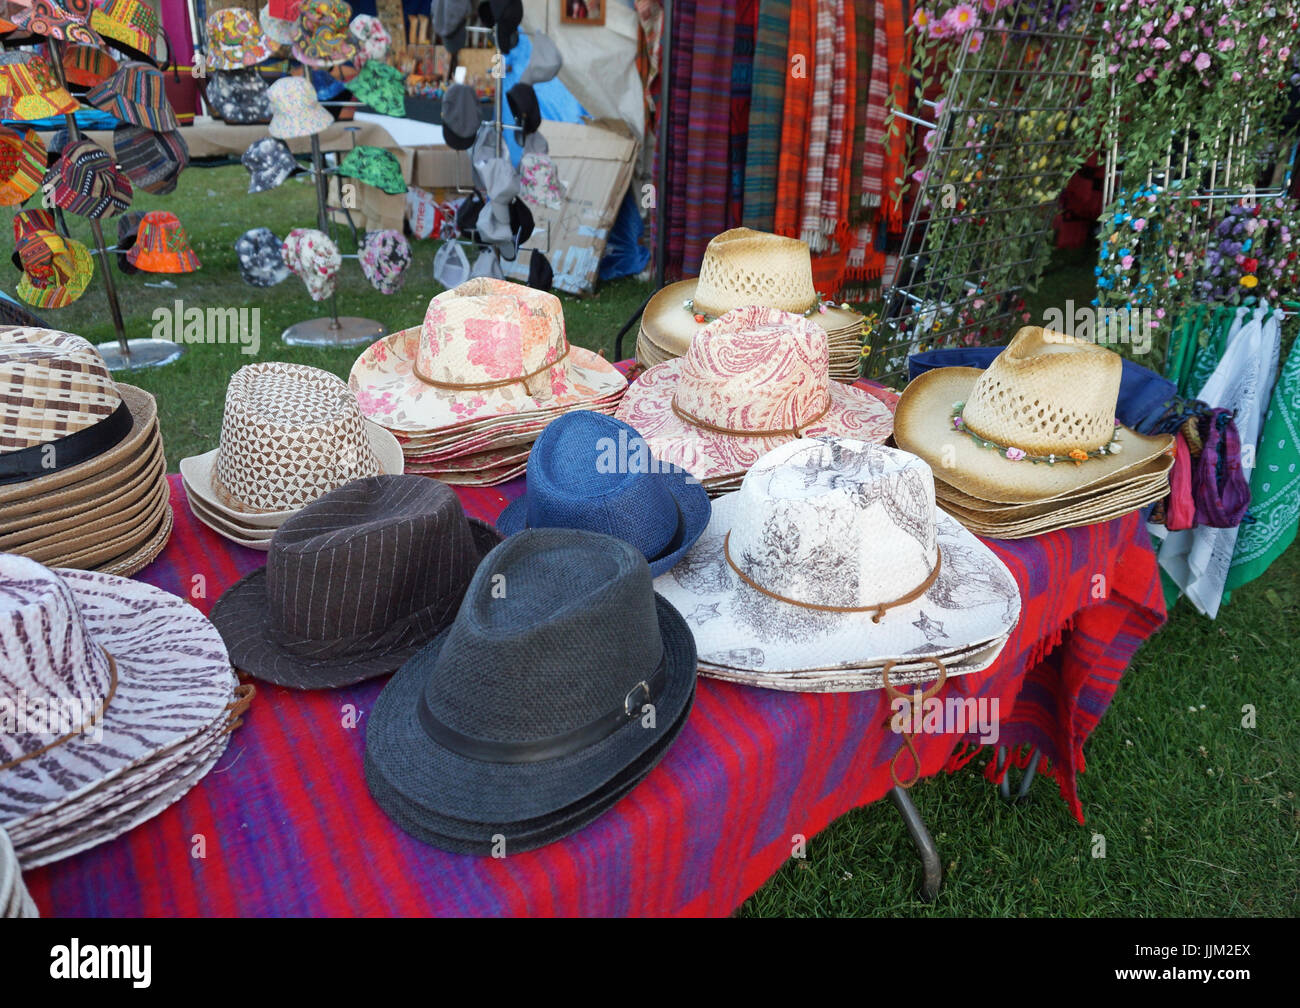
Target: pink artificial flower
pixel 1160 313
pixel 975 41
pixel 1160 43
pixel 961 18
pixel 1226 45
pixel 1139 224
pixel 921 20
pixel 1185 56
pixel 1202 61
pixel 1015 454
pixel 1284 53
pixel 1127 262
pixel 927 141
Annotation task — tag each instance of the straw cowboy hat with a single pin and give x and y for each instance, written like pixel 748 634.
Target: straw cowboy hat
pixel 1038 424
pixel 751 380
pixel 832 556
pixel 290 433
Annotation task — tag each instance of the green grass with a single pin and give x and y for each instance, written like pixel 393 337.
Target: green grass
pixel 1199 815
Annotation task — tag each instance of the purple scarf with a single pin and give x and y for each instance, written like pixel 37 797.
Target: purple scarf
pixel 1219 485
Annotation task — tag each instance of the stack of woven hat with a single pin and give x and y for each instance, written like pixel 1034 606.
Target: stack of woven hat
pixel 468 392
pixel 1032 444
pixel 741 268
pixel 82 474
pixel 15 901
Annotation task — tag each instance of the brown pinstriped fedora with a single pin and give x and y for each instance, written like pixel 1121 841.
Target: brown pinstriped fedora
pixel 355 583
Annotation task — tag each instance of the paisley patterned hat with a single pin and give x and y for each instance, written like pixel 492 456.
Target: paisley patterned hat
pixel 235 40
pixel 325 41
pixel 833 561
pixel 47 19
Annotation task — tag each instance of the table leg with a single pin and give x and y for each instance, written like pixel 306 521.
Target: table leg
pixel 931 866
pixel 1022 792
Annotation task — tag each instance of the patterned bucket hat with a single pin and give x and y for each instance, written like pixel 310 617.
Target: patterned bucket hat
pixel 295 109
pixel 135 94
pixel 281 31
pixel 539 182
pixel 325 41
pixel 372 38
pixel 269 162
pixel 162 246
pixel 153 161
pixel 49 20
pixel 261 258
pixel 86 182
pixel 33 258
pixel 22 165
pixel 382 87
pixel 133 27
pixel 314 257
pixel 128 232
pixel 238 96
pixel 385 257
pixel 29 90
pixel 328 87
pixel 70 270
pixel 374 166
pixel 86 66
pixel 235 40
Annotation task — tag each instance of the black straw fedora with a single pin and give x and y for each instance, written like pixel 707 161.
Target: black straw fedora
pixel 355 584
pixel 560 684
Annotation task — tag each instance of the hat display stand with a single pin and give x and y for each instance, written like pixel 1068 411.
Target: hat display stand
pixel 123 354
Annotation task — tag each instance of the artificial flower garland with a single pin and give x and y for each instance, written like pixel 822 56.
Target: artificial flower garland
pixel 1013 454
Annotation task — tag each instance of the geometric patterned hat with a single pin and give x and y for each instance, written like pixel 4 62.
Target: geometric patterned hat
pixel 162 246
pixel 87 66
pixel 133 27
pixel 29 90
pixel 22 165
pixel 35 258
pixel 86 181
pixel 135 93
pixel 153 161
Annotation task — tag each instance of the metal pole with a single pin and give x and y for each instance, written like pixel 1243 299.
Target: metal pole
pixel 318 162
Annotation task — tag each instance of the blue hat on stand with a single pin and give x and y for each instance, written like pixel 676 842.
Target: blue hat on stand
pixel 591 472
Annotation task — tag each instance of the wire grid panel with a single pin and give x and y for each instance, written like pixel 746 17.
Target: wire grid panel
pixel 1003 147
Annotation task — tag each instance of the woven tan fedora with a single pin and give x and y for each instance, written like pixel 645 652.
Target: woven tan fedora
pixel 290 434
pixel 1038 424
pixel 741 267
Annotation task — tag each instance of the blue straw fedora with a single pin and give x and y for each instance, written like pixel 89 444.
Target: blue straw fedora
pixel 589 471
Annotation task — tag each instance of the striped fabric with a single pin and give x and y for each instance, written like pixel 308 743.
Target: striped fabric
pixel 900 59
pixel 873 163
pixel 864 14
pixel 796 127
pixel 679 115
pixel 810 229
pixel 765 114
pixel 840 121
pixel 298 834
pixel 742 87
pixel 708 132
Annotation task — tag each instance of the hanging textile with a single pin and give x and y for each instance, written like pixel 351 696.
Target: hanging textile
pixel 742 88
pixel 900 61
pixel 810 229
pixel 708 140
pixel 765 114
pixel 795 126
pixel 679 112
pixel 841 124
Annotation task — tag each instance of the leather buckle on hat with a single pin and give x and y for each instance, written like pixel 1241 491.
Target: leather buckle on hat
pixel 630 709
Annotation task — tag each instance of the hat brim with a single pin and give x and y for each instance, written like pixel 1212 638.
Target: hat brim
pixel 923 426
pixel 693 510
pixel 254 539
pixel 671 327
pixel 949 497
pixel 707 454
pixel 455 787
pixel 173 681
pixel 197 472
pixel 244 613
pixel 302 123
pixel 390 394
pixel 973 600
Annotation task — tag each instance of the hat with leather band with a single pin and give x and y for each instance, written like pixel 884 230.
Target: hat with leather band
pixel 401 542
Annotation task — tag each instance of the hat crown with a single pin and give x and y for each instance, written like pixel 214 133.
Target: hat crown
pixel 744 267
pixel 1046 394
pixel 290 433
pixel 47 654
pixel 492 331
pixel 557 628
pixel 836 522
pixel 233 28
pixel 757 370
pixel 291 94
pixel 52 384
pixel 589 471
pixel 358 561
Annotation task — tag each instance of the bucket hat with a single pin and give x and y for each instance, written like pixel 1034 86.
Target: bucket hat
pixel 32 257
pixel 135 94
pixel 132 670
pixel 235 40
pixel 385 257
pixel 162 246
pixel 238 96
pixel 128 232
pixel 85 181
pixel 152 161
pixel 328 87
pixel 487 348
pixel 324 41
pixel 751 380
pixel 539 181
pixel 281 31
pixel 87 66
pixel 374 166
pixel 295 109
pixel 832 555
pixel 460 116
pixel 382 87
pixel 372 38
pixel 590 471
pixel 22 165
pixel 544 60
pixel 261 257
pixel 530 707
pixel 313 256
pixel 67 277
pixel 269 162
pixel 29 90
pixel 401 543
pixel 1039 423
pixel 133 27
pixel 290 433
pixel 49 20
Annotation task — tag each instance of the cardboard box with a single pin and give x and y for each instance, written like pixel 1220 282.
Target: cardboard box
pixel 371 208
pixel 595 162
pixel 442 171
